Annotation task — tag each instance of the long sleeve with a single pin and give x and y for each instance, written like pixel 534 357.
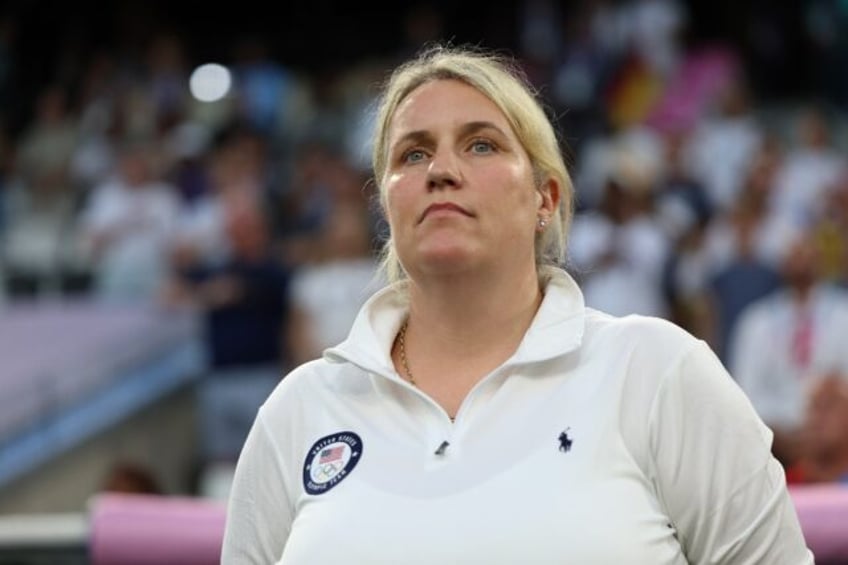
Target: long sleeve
pixel 714 471
pixel 259 513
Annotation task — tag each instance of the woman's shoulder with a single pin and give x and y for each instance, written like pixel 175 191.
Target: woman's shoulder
pixel 638 330
pixel 303 385
pixel 644 353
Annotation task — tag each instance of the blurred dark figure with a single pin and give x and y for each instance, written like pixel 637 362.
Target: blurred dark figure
pixel 242 298
pixel 742 251
pixel 323 181
pixel 824 452
pixel 8 47
pixel 684 211
pixel 130 478
pixel 244 307
pixel 826 29
pixel 737 285
pixel 166 74
pixel 423 23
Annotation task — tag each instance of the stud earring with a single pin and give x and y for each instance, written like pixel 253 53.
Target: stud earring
pixel 542 222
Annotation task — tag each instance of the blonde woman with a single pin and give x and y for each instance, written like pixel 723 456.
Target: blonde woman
pixel 478 412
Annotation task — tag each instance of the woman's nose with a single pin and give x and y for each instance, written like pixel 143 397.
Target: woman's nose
pixel 443 172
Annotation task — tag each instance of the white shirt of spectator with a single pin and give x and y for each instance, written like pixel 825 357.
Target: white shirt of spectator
pixel 763 356
pixel 133 264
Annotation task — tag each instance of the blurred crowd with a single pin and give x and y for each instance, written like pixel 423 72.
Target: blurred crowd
pixel 695 201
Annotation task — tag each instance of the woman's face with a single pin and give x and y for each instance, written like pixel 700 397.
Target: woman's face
pixel 459 186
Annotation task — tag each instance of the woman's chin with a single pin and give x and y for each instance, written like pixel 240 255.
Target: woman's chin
pixel 446 260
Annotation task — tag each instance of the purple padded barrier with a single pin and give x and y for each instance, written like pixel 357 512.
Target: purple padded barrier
pixel 823 512
pixel 56 353
pixel 158 530
pixel 130 529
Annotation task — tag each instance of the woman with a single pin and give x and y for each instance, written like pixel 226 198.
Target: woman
pixel 478 412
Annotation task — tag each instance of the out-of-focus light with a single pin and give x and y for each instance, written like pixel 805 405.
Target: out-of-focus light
pixel 210 82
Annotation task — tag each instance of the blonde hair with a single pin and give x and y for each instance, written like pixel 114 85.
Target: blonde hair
pixel 506 86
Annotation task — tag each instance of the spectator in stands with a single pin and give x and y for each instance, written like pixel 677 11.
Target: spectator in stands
pixel 809 170
pixel 41 203
pixel 328 291
pixel 724 143
pixel 750 217
pixel 620 250
pixel 823 451
pixel 199 237
pixel 302 207
pixel 655 29
pixel 742 249
pixel 830 229
pixel 165 76
pixel 130 478
pixel 244 308
pixel 100 123
pixel 242 298
pixel 127 226
pixel 683 210
pixel 682 202
pixel 45 149
pixel 213 176
pixel 784 341
pixel 322 181
pixel 264 88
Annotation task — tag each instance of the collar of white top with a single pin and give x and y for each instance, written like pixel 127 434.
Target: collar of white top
pixel 556 330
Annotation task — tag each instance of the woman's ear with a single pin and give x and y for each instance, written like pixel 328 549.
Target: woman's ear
pixel 549 190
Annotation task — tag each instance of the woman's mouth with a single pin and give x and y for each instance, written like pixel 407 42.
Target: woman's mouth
pixel 444 208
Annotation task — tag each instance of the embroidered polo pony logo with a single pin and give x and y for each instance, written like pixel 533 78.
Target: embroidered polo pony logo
pixel 565 441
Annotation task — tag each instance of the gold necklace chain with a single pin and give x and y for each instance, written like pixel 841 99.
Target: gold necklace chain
pixel 404 362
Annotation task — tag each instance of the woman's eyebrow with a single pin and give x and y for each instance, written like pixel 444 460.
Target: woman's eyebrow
pixel 471 128
pixel 413 137
pixel 466 129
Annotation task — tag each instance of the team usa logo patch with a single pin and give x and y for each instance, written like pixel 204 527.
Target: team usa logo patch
pixel 329 460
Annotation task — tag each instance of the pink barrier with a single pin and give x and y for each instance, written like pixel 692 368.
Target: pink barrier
pixel 823 512
pixel 155 530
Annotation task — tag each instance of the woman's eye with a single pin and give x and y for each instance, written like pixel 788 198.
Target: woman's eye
pixel 481 146
pixel 413 156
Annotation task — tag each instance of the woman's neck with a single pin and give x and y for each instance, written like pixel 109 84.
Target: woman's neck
pixel 462 315
pixel 461 329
